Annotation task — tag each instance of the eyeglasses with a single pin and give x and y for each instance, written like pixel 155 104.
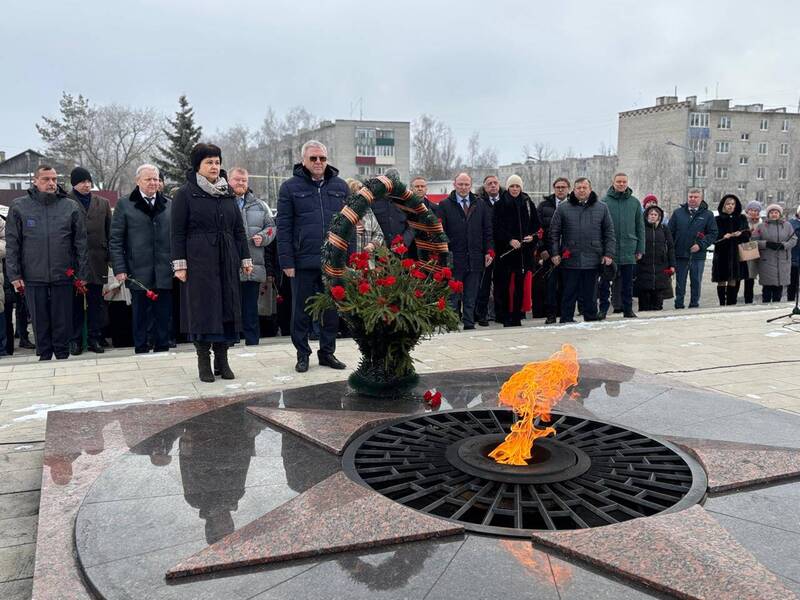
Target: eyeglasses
pixel 318 158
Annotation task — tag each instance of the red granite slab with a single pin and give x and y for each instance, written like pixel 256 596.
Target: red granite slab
pixel 686 554
pixel 734 465
pixel 336 515
pixel 329 429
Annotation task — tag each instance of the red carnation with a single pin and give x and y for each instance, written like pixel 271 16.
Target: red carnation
pixel 491 253
pixel 540 233
pixel 383 259
pixel 70 272
pixel 151 295
pixel 407 263
pixel 269 231
pixel 418 294
pixel 436 400
pixel 565 253
pixel 434 257
pixel 398 239
pixel 427 395
pixel 399 249
pixel 338 293
pixel 279 299
pixel 447 273
pixel 457 287
pixel 441 303
pixel 701 235
pixel 417 274
pixel 394 308
pixel 668 271
pixel 438 276
pixel 363 287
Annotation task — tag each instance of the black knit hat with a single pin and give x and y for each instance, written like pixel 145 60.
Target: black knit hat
pixel 201 151
pixel 78 175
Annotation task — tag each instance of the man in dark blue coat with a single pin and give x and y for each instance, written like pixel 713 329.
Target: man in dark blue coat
pixel 306 203
pixel 491 192
pixel 694 229
pixel 468 224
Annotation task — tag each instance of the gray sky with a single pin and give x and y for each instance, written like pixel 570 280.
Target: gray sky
pixel 520 72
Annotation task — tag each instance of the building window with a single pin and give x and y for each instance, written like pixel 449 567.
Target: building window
pixel 699 144
pixel 384 150
pixel 742 185
pixel 781 172
pixel 761 172
pixel 699 171
pixel 760 195
pixel 384 135
pixel 724 123
pixel 763 147
pixel 720 172
pixel 365 141
pixel 698 119
pixel 764 124
pixel 368 170
pixel 785 125
pixel 745 137
pixel 723 147
pixel 781 197
pixel 743 160
pixel 784 151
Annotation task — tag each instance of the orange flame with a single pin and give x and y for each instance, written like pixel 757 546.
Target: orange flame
pixel 532 392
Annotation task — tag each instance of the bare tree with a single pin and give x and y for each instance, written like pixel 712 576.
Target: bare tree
pixel 434 148
pixel 661 174
pixel 108 140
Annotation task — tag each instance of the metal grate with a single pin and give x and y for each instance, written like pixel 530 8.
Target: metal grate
pixel 631 474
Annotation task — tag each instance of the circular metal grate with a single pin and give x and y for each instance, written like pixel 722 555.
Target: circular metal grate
pixel 435 463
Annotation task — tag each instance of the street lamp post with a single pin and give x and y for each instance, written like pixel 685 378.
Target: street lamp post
pixel 694 159
pixel 549 171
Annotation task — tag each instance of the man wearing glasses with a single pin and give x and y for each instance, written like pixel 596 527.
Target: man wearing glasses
pixel 306 203
pixel 552 277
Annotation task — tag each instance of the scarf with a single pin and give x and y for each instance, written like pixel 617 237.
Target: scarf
pixel 218 188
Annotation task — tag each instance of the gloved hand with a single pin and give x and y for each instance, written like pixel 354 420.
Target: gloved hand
pixel 775 245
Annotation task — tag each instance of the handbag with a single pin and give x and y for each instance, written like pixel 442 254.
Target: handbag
pixel 748 251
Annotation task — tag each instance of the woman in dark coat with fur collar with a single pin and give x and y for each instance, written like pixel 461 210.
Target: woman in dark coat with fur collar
pixel 655 268
pixel 209 247
pixel 516 229
pixel 726 270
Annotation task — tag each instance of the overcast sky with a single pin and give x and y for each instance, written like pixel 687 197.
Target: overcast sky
pixel 519 72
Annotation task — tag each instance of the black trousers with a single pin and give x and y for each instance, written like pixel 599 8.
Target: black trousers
pixel 579 283
pixel 22 317
pixel 248 292
pixel 50 307
pixel 151 315
pixel 771 293
pixel 484 295
pixel 749 290
pixel 306 283
pixel 9 324
pixel 793 284
pixel 554 290
pixel 93 314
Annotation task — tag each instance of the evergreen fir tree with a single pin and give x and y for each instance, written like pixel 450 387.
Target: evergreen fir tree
pixel 182 135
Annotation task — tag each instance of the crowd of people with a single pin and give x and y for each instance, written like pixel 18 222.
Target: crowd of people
pixel 209 264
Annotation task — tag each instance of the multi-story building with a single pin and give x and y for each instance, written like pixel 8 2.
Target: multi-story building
pixel 538 175
pixel 359 148
pixel 713 145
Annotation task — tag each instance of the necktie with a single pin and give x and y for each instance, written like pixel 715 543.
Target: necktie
pixel 692 211
pixel 465 204
pixel 150 201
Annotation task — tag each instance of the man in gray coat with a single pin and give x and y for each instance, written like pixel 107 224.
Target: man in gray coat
pixel 46 257
pixel 141 254
pixel 259 226
pixel 581 241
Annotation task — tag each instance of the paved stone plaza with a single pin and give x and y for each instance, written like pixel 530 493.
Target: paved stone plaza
pixel 732 351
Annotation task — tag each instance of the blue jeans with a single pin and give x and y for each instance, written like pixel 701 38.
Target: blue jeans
pixel 694 269
pixel 625 275
pixel 472 284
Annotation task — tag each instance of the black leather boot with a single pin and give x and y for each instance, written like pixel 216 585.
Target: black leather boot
pixel 221 360
pixel 733 292
pixel 722 294
pixel 204 361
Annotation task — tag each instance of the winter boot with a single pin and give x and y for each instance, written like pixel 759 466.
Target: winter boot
pixel 221 360
pixel 204 361
pixel 722 294
pixel 733 292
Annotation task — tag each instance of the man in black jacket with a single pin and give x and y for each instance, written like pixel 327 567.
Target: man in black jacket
pixel 141 250
pixel 97 213
pixel 551 277
pixel 468 225
pixel 581 241
pixel 306 204
pixel 46 254
pixel 484 309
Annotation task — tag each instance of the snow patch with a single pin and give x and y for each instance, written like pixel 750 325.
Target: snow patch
pixel 40 410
